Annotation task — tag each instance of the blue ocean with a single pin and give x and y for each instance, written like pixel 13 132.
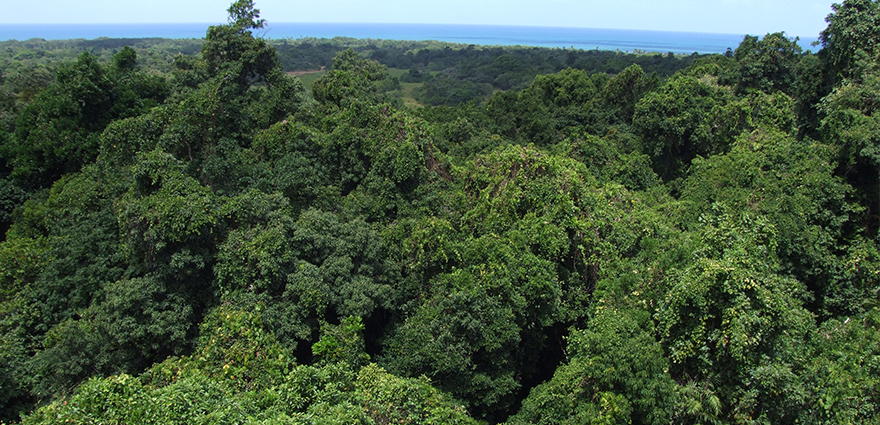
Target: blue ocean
pixel 578 38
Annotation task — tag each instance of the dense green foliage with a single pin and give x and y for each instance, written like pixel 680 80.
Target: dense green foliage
pixel 452 73
pixel 605 238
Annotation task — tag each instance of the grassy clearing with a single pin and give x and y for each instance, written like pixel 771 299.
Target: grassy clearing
pixel 308 77
pixel 406 95
pixel 406 89
pixel 396 72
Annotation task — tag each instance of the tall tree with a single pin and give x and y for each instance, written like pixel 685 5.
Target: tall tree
pixel 351 78
pixel 852 36
pixel 852 110
pixel 58 132
pixel 767 64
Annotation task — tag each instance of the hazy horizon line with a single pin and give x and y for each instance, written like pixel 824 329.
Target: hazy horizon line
pixel 269 24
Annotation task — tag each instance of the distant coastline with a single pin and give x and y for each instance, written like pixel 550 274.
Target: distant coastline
pixel 579 38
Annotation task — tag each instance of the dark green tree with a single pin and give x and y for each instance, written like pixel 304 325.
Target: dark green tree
pixel 852 122
pixel 793 184
pixel 624 90
pixel 852 37
pixel 687 117
pixel 730 313
pixel 768 64
pixel 616 373
pixel 351 78
pixel 58 132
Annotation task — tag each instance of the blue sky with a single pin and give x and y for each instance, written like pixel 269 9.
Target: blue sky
pixel 805 18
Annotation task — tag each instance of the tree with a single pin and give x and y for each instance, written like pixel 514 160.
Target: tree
pixel 351 78
pixel 58 132
pixel 852 121
pixel 340 271
pixel 239 371
pixel 522 117
pixel 444 90
pixel 236 89
pixel 527 238
pixel 617 373
pixel 768 64
pixel 686 117
pixel 793 184
pixel 72 254
pixel 852 37
pixel 243 17
pixel 624 90
pixel 841 372
pixel 730 313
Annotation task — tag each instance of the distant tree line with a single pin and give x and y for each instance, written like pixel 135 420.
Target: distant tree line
pixel 453 73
